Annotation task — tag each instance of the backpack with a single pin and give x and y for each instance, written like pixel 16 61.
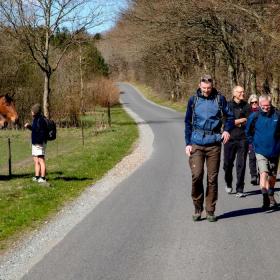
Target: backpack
pixel 51 129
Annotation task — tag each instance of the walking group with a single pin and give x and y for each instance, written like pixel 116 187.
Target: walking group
pixel 249 127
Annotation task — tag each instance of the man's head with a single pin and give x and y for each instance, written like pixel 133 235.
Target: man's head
pixel 206 85
pixel 265 103
pixel 238 94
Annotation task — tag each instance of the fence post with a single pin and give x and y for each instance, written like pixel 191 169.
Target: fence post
pixel 109 113
pixel 10 157
pixel 83 136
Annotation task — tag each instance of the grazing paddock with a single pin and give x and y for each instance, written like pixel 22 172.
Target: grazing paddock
pixel 71 167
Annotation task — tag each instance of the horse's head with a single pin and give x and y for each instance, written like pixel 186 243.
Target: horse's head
pixel 8 109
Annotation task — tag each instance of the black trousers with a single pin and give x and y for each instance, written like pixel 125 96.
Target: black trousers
pixel 235 149
pixel 252 161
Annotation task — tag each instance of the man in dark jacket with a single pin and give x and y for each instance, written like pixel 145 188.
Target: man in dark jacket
pixel 39 139
pixel 203 135
pixel 263 131
pixel 237 146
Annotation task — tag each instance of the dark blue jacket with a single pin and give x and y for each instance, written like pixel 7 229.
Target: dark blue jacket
pixel 206 127
pixel 239 110
pixel 266 135
pixel 39 130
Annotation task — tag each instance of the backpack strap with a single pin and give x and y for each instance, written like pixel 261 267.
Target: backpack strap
pixel 195 99
pixel 220 105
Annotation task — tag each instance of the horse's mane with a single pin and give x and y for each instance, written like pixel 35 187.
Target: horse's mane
pixel 7 97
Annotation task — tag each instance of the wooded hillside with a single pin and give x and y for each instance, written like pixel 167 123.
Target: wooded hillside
pixel 170 44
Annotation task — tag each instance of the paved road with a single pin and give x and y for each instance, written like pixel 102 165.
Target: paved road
pixel 144 231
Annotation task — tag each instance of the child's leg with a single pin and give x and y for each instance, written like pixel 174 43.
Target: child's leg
pixel 42 164
pixel 37 166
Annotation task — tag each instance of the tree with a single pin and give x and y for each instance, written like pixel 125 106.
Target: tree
pixel 35 22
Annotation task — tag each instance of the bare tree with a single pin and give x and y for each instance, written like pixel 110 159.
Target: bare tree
pixel 35 22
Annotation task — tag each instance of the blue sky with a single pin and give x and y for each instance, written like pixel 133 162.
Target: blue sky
pixel 110 12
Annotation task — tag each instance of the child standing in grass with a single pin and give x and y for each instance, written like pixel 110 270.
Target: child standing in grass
pixel 39 139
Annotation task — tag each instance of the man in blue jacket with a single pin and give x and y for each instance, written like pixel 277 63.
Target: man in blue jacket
pixel 206 111
pixel 263 131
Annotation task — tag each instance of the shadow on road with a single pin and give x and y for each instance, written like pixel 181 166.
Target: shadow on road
pixel 244 212
pixel 257 192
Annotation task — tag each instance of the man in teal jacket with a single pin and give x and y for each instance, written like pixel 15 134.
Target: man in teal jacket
pixel 263 131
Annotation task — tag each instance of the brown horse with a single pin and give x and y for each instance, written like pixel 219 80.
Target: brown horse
pixel 8 111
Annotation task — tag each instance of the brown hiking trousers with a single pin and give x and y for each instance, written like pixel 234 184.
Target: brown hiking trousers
pixel 211 154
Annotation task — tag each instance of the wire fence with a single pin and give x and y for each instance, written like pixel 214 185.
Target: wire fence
pixel 15 144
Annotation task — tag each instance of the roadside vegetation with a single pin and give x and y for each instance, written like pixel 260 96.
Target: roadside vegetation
pixel 154 96
pixel 72 167
pixel 168 45
pixel 57 64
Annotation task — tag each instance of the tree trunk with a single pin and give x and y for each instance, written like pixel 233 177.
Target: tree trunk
pixel 231 74
pixel 46 97
pixel 81 81
pixel 253 82
pixel 275 90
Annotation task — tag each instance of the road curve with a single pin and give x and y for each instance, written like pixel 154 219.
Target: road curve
pixel 143 229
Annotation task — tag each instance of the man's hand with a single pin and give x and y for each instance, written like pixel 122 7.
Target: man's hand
pixel 225 137
pixel 189 150
pixel 240 122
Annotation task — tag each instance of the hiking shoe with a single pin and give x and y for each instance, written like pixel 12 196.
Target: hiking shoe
pixel 34 179
pixel 240 194
pixel 211 218
pixel 228 190
pixel 196 217
pixel 41 180
pixel 254 180
pixel 266 202
pixel 272 202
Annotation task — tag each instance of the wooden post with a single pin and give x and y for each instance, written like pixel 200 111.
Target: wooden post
pixel 10 157
pixel 109 113
pixel 83 136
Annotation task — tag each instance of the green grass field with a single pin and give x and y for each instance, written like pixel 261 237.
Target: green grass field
pixel 71 167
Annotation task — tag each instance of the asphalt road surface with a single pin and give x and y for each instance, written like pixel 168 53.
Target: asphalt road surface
pixel 143 230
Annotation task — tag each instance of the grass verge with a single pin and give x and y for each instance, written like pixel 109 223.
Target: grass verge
pixel 150 94
pixel 72 167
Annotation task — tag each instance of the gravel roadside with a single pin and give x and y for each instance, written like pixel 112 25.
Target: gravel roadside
pixel 17 262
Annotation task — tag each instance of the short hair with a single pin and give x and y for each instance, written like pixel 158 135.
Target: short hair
pixel 234 89
pixel 206 79
pixel 264 97
pixel 36 109
pixel 252 97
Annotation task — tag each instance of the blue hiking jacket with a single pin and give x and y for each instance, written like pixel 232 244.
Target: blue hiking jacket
pixel 266 135
pixel 203 123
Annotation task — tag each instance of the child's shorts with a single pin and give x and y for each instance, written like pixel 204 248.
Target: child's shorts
pixel 38 150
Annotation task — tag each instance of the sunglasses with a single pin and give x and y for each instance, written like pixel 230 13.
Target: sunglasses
pixel 206 80
pixel 254 102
